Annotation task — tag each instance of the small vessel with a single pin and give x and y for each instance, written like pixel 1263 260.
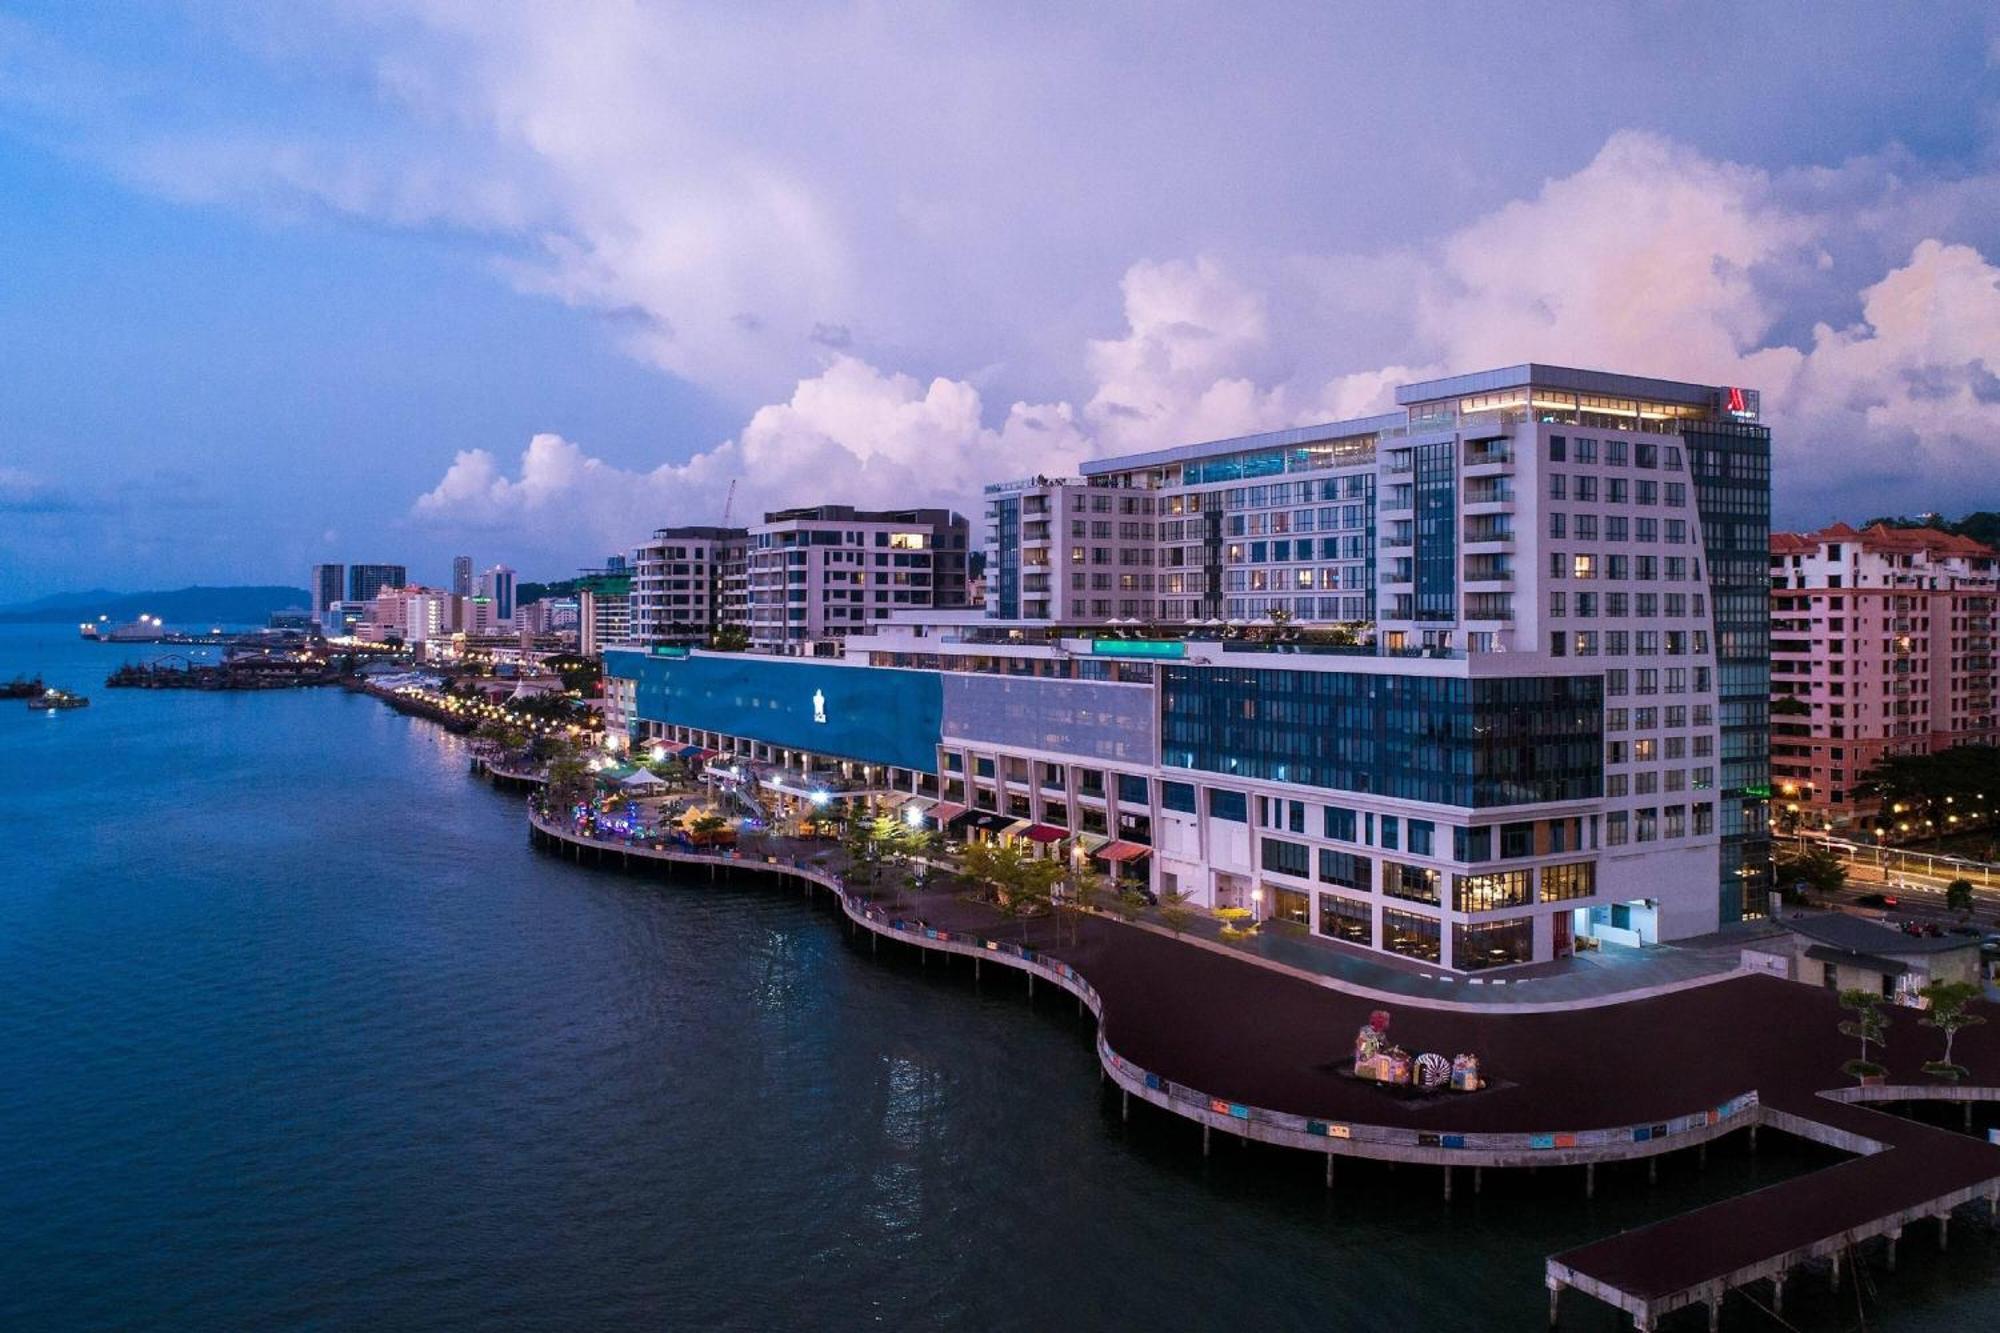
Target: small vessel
pixel 21 687
pixel 53 700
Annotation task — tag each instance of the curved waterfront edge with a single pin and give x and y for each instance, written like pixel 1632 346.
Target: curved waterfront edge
pixel 1328 1138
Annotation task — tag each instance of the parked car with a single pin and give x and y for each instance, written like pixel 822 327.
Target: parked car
pixel 1877 900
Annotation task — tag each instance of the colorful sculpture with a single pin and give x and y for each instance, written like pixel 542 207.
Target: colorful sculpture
pixel 1465 1074
pixel 1433 1070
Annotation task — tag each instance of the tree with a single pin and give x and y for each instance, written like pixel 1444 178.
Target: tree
pixel 1086 891
pixel 1958 896
pixel 1949 1013
pixel 1128 903
pixel 1036 887
pixel 706 827
pixel 857 839
pixel 1868 1025
pixel 1175 914
pixel 1818 868
pixel 568 782
pixel 729 639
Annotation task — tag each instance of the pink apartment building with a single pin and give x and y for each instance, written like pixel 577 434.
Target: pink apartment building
pixel 1882 642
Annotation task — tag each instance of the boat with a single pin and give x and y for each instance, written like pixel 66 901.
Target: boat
pixel 21 688
pixel 54 700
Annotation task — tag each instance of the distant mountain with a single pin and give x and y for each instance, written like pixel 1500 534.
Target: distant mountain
pixel 182 606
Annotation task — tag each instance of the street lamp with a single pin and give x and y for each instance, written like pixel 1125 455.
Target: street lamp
pixel 1257 903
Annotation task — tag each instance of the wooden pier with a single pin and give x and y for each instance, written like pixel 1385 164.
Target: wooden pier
pixel 1177 1047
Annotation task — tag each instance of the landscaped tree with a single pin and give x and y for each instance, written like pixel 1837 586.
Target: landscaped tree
pixel 568 782
pixel 1867 1026
pixel 1948 1014
pixel 1086 893
pixel 857 839
pixel 1958 896
pixel 1175 914
pixel 1818 868
pixel 729 639
pixel 1037 888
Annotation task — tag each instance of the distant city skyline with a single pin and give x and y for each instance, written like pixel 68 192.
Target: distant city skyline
pixel 415 280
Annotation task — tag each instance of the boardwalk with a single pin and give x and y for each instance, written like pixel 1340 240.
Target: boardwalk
pixel 1243 1049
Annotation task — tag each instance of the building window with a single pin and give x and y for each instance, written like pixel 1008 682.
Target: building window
pixel 1493 943
pixel 1345 869
pixel 1418 884
pixel 1491 891
pixel 1340 824
pixel 1230 805
pixel 1287 858
pixel 1344 918
pixel 1177 796
pixel 1411 935
pixel 1577 879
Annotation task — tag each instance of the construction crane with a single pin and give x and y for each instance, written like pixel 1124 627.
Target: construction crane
pixel 729 502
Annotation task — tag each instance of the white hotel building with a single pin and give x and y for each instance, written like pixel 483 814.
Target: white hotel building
pixel 1465 682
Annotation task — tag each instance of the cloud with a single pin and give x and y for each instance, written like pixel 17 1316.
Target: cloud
pixel 1650 259
pixel 23 492
pixel 852 434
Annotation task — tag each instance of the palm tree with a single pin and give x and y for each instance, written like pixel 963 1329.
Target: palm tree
pixel 1175 914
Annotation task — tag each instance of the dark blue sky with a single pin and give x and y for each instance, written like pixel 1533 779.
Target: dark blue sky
pixel 283 285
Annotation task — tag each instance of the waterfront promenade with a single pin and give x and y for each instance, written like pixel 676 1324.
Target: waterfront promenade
pixel 1242 1049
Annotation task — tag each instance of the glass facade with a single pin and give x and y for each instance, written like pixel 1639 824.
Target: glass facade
pixel 1731 465
pixel 1469 743
pixel 1006 577
pixel 1437 531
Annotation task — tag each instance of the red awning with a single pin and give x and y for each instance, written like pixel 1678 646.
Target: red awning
pixel 1123 851
pixel 944 813
pixel 1044 833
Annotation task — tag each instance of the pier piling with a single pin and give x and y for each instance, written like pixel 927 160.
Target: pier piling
pixel 1590 1180
pixel 1329 1170
pixel 1447 1184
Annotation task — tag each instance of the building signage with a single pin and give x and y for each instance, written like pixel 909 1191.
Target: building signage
pixel 1742 404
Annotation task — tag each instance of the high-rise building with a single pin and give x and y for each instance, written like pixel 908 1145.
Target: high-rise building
pixel 364 581
pixel 328 586
pixel 1882 643
pixel 604 612
pixel 498 584
pixel 688 582
pixel 1465 682
pixel 819 574
pixel 461 576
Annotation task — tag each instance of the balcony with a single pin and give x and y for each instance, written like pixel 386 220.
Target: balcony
pixel 1489 454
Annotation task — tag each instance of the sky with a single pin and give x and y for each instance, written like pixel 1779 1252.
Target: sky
pixel 392 280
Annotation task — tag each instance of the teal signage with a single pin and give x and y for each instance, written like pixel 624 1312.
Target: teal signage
pixel 1137 648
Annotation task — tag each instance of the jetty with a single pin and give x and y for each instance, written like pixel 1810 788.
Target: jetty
pixel 248 672
pixel 1576 1088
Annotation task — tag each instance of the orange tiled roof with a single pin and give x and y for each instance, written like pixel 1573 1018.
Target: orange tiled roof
pixel 1882 537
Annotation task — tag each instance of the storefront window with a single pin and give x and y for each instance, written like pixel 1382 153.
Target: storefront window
pixel 1493 943
pixel 1291 905
pixel 1344 918
pixel 1411 935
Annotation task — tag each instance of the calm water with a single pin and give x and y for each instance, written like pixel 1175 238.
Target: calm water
pixel 296 1032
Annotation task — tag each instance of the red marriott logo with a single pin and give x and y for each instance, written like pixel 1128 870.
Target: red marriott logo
pixel 1735 397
